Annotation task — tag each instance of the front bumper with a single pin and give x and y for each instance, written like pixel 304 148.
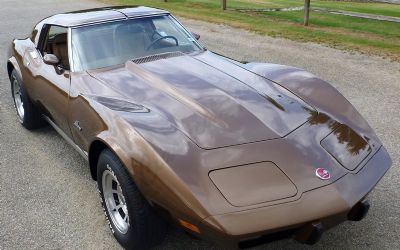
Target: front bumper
pixel 325 207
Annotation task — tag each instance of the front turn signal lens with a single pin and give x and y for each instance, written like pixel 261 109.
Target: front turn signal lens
pixel 189 226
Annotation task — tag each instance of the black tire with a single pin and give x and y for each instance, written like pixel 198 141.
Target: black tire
pixel 31 118
pixel 146 229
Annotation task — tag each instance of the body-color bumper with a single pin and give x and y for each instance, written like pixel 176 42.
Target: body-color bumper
pixel 326 206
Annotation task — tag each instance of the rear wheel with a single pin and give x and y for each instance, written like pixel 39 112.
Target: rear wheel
pixel 131 219
pixel 27 113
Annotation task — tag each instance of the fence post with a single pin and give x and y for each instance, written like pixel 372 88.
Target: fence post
pixel 223 4
pixel 306 11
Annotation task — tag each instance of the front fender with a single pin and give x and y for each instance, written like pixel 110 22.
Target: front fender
pixel 316 92
pixel 155 178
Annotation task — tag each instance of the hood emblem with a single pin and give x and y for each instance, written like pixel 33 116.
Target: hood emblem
pixel 322 173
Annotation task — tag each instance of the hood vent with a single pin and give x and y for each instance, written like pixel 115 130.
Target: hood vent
pixel 151 58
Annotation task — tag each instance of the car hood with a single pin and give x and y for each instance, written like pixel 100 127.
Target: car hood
pixel 211 105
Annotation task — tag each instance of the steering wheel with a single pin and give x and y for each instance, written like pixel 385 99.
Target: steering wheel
pixel 162 38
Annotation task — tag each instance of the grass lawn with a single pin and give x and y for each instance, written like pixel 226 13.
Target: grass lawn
pixel 352 33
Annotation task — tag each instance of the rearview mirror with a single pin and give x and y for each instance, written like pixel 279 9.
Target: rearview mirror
pixel 51 59
pixel 197 36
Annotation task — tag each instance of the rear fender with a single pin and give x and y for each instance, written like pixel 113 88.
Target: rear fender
pixel 16 54
pixel 13 64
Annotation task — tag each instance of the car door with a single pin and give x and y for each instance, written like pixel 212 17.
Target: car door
pixel 49 84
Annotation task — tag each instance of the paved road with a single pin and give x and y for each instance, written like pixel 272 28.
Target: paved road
pixel 47 199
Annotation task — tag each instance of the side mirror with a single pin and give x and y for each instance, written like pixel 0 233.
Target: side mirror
pixel 197 36
pixel 51 59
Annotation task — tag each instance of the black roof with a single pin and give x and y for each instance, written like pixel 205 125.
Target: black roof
pixel 89 16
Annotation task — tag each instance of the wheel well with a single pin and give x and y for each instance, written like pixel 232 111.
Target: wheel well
pixel 94 153
pixel 10 68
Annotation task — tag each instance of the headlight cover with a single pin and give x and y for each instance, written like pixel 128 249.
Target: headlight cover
pixel 253 184
pixel 346 146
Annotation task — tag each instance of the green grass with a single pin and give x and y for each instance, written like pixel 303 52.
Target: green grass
pixel 368 36
pixel 370 8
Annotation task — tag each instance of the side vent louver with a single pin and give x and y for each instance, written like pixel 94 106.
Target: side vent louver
pixel 119 105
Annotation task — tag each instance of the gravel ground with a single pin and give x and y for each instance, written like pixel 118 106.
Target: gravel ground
pixel 48 200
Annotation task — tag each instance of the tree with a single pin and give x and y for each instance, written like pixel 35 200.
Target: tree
pixel 223 4
pixel 306 11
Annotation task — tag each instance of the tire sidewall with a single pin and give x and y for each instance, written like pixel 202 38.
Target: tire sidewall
pixel 106 162
pixel 32 117
pixel 14 76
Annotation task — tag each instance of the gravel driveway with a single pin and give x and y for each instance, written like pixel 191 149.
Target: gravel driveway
pixel 48 200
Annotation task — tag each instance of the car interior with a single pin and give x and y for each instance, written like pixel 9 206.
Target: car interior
pixel 115 43
pixel 57 43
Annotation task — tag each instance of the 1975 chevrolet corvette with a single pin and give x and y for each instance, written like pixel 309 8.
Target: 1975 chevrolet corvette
pixel 236 153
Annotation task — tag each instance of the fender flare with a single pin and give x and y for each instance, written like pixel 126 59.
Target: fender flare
pixel 101 142
pixel 12 63
pixel 189 203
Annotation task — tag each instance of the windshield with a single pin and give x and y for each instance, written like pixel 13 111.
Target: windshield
pixel 108 44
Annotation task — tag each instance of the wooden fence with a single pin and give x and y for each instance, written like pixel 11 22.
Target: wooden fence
pixel 306 9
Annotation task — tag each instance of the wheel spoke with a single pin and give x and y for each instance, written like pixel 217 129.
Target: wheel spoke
pixel 18 98
pixel 119 206
pixel 116 192
pixel 115 201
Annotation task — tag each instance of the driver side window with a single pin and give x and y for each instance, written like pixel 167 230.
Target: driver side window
pixel 56 42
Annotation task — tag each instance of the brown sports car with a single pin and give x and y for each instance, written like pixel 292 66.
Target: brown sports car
pixel 236 153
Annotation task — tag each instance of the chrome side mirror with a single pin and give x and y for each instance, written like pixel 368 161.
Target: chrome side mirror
pixel 51 59
pixel 197 36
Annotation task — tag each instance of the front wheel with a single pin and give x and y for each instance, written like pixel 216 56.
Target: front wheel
pixel 27 113
pixel 130 217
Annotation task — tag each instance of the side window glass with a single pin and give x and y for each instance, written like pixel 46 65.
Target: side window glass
pixel 56 42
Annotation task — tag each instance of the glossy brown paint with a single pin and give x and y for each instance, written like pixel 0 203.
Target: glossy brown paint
pixel 207 118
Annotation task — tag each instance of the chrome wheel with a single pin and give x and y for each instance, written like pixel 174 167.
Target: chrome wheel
pixel 19 105
pixel 115 201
